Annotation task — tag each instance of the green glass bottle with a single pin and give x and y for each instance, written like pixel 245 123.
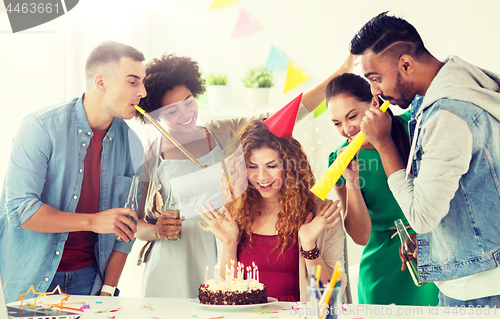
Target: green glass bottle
pixel 131 202
pixel 407 248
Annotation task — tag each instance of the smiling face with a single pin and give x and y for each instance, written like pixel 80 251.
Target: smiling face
pixel 387 81
pixel 265 172
pixel 347 114
pixel 180 110
pixel 124 88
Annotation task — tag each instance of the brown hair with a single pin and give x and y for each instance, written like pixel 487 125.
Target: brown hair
pixel 108 52
pixel 353 85
pixel 296 201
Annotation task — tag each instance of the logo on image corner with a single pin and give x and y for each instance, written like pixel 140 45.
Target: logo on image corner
pixel 26 14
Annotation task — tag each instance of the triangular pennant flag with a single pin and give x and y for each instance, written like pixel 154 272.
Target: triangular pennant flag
pixel 216 4
pixel 244 25
pixel 282 122
pixel 276 59
pixel 320 109
pixel 294 77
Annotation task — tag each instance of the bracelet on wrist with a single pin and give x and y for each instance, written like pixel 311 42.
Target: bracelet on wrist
pixel 310 254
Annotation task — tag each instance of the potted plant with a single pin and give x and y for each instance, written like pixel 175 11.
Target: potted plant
pixel 258 82
pixel 218 93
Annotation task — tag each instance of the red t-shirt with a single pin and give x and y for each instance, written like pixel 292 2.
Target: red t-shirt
pixel 79 247
pixel 278 273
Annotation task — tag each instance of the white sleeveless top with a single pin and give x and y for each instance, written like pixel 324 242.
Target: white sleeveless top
pixel 175 269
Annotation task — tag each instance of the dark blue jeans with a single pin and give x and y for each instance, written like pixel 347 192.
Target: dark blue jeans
pixel 76 282
pixel 491 301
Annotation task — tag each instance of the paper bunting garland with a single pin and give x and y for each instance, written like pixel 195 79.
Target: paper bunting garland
pixel 276 60
pixel 294 77
pixel 320 109
pixel 216 4
pixel 245 24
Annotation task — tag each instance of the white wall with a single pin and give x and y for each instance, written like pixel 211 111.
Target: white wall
pixel 44 65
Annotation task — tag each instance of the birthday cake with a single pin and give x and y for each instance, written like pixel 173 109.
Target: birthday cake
pixel 232 292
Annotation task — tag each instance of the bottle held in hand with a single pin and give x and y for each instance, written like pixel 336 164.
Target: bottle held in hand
pixel 173 208
pixel 408 246
pixel 131 202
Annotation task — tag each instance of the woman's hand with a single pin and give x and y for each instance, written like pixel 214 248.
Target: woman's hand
pixel 222 226
pixel 168 225
pixel 351 173
pixel 327 218
pixel 349 64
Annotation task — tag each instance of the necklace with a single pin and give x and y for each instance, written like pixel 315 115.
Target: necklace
pixel 265 218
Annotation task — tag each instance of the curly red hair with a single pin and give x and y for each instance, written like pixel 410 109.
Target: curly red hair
pixel 296 201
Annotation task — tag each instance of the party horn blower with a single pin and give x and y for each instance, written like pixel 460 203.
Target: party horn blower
pixel 169 137
pixel 332 174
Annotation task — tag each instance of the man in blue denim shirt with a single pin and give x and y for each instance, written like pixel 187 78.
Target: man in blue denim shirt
pixel 452 197
pixel 50 169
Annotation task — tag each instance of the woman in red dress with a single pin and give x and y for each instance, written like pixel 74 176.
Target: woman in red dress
pixel 277 223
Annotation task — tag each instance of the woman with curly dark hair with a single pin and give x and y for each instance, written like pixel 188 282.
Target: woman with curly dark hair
pixel 277 217
pixel 176 268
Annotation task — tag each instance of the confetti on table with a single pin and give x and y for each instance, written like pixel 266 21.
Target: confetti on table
pixel 85 307
pixel 264 312
pixel 112 310
pixel 98 302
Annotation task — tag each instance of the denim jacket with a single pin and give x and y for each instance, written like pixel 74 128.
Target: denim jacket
pixel 46 166
pixel 466 240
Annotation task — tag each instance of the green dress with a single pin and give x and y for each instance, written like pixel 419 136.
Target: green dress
pixel 381 280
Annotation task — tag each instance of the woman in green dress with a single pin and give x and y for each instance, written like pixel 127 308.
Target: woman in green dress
pixel 370 208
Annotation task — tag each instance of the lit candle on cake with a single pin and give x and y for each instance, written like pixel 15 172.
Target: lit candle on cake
pixel 257 270
pixel 227 277
pixel 254 277
pixel 232 269
pixel 215 273
pixel 206 276
pixel 248 276
pixel 218 270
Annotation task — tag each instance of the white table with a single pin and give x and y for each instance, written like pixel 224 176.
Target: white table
pixel 164 308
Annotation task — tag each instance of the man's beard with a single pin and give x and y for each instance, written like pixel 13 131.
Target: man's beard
pixel 405 91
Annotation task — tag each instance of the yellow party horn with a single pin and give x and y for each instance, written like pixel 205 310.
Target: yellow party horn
pixel 332 174
pixel 169 137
